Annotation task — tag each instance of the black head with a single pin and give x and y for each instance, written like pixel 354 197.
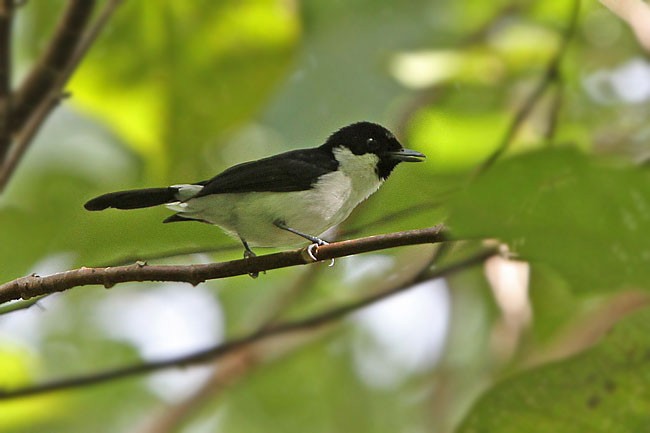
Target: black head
pixel 370 138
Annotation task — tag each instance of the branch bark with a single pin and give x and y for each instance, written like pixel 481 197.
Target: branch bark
pixel 34 285
pixel 221 350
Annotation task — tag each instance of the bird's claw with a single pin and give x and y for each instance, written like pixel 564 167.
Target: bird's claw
pixel 311 249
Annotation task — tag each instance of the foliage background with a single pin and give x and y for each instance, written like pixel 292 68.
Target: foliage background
pixel 176 91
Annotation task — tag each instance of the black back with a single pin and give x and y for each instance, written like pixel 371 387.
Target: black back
pixel 296 170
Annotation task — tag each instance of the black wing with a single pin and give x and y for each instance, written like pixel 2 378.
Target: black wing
pixel 296 170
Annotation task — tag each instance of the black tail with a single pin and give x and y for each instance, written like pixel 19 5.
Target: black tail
pixel 133 199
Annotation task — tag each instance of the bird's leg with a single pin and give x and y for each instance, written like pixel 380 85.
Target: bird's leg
pixel 248 253
pixel 316 241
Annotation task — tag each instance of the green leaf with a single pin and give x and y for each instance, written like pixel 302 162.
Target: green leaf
pixel 188 75
pixel 606 389
pixel 585 218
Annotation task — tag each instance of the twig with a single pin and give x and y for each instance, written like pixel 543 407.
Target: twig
pixel 220 350
pixel 551 75
pixel 554 113
pixel 40 112
pixel 6 19
pixel 34 285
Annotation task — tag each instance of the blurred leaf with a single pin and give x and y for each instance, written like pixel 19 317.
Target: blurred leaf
pixel 524 45
pixel 188 75
pixel 553 303
pixel 606 389
pixel 16 370
pixel 457 139
pixel 585 218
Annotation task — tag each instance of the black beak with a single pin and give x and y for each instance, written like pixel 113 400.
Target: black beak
pixel 406 155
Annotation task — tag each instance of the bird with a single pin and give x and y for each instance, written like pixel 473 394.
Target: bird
pixel 285 199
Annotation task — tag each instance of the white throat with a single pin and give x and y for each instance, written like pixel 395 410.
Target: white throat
pixel 360 169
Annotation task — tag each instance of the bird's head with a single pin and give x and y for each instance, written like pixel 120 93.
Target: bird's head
pixel 372 144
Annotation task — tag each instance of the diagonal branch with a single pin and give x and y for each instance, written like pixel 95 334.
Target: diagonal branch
pixel 53 62
pixel 220 350
pixel 551 76
pixel 53 94
pixel 34 285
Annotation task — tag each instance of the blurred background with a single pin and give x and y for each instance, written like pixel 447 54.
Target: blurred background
pixel 174 92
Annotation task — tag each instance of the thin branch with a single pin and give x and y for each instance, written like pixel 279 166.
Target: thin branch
pixel 39 113
pixel 554 112
pixel 34 285
pixel 550 76
pixel 6 19
pixel 52 64
pixel 230 369
pixel 220 350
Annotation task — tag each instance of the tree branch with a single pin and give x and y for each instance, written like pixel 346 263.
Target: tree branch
pixel 50 99
pixel 551 75
pixel 53 62
pixel 34 285
pixel 220 350
pixel 6 19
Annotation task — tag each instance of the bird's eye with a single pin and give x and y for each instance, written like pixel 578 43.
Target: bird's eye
pixel 373 144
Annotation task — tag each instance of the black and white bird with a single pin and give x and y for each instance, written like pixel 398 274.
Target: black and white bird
pixel 276 201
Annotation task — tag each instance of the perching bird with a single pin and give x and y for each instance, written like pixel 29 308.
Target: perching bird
pixel 275 201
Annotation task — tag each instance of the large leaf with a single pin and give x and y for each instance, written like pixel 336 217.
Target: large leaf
pixel 586 218
pixel 606 389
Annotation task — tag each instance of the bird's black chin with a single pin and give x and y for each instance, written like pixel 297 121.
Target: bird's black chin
pixel 385 167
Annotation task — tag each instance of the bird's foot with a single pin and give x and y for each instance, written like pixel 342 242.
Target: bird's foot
pixel 311 250
pixel 247 255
